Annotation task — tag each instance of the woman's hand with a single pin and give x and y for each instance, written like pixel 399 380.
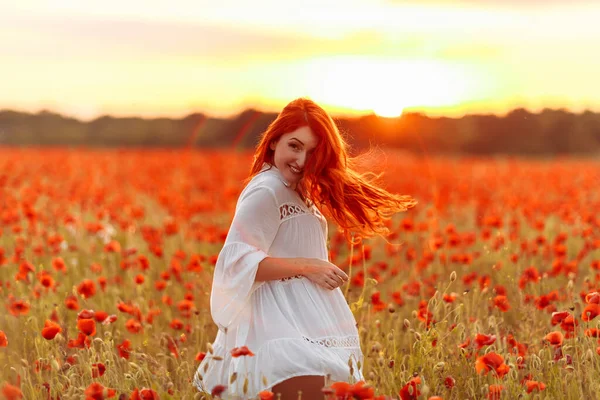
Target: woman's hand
pixel 324 273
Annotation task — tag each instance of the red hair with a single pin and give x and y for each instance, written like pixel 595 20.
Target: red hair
pixel 353 200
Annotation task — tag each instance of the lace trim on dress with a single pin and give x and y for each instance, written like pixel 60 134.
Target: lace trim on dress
pixel 335 341
pixel 290 278
pixel 289 210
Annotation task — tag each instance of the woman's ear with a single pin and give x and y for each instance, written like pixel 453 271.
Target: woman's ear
pixel 273 144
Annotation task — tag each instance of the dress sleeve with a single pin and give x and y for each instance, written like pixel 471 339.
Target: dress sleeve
pixel 252 232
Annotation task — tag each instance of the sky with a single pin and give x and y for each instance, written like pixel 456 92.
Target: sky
pixel 156 58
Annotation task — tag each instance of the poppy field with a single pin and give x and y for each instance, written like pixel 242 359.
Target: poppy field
pixel 488 289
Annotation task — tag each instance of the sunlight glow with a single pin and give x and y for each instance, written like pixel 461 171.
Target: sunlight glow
pixel 386 86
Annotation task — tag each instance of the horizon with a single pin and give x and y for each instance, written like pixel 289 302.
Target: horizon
pixel 334 115
pixel 444 58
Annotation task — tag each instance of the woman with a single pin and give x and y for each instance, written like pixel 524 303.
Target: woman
pixel 274 290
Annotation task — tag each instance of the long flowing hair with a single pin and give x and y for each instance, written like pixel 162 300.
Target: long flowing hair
pixel 354 200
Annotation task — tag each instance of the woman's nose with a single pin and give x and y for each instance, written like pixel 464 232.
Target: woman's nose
pixel 301 159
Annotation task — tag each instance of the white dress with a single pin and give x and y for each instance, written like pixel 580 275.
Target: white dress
pixel 293 326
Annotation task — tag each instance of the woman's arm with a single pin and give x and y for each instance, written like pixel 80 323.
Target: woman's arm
pixel 321 272
pixel 271 268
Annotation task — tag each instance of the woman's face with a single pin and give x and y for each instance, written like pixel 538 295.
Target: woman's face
pixel 292 151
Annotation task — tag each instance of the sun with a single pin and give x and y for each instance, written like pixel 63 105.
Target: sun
pixel 389 110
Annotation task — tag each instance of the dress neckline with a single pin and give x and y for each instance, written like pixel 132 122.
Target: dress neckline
pixel 271 167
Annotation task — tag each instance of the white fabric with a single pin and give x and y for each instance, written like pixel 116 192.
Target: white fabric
pixel 293 326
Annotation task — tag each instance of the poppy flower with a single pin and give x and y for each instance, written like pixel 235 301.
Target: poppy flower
pixel 85 314
pixel 411 391
pixel 176 324
pixel 124 349
pixel 559 316
pixel 144 394
pixel 87 326
pixel 11 392
pixel 241 351
pixel 72 303
pixel 112 247
pixel 83 341
pixel 484 340
pixel 17 307
pixel 501 302
pixel 533 385
pixel 100 316
pixel 98 370
pixel 3 339
pixel 87 288
pixel 133 325
pixel 59 264
pixel 266 395
pixel 491 362
pixel 218 390
pixel 590 311
pixel 98 392
pixel 555 338
pixel 50 330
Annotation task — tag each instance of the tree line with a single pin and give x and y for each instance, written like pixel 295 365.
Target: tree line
pixel 549 132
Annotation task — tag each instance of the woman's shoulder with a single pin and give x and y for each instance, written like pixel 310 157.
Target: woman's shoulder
pixel 267 183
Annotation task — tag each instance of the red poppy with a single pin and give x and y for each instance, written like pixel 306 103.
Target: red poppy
pixel 50 330
pixel 11 392
pixel 17 307
pixel 501 302
pixel 533 385
pixel 98 392
pixel 218 390
pixel 144 394
pixel 241 351
pixel 87 288
pixel 83 341
pixel 133 326
pixel 124 349
pixel 3 339
pixel 98 370
pixel 590 311
pixel 265 395
pixel 87 326
pixel 491 362
pixel 72 303
pixel 484 340
pixel 555 338
pixel 411 391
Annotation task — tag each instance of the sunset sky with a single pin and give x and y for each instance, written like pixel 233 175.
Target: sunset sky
pixel 171 58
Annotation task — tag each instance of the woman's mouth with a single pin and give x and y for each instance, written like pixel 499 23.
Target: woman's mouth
pixel 295 170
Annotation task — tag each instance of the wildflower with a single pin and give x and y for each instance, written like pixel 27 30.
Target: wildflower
pixel 3 339
pixel 484 340
pixel 501 302
pixel 491 362
pixel 410 391
pixel 218 390
pixel 11 392
pixel 98 370
pixel 555 338
pixel 241 351
pixel 533 385
pixel 50 330
pixel 98 392
pixel 87 288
